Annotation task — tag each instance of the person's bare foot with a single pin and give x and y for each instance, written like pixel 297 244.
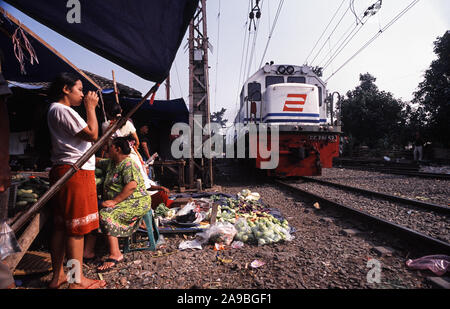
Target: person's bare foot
pixel 87 283
pixel 110 262
pixel 56 283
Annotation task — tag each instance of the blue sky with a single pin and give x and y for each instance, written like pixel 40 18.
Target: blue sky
pixel 397 58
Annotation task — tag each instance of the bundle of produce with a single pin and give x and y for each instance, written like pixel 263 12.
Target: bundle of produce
pixel 253 221
pixel 30 191
pixel 263 230
pixel 163 211
pixel 99 176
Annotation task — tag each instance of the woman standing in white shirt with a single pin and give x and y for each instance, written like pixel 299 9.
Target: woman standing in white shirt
pixel 75 204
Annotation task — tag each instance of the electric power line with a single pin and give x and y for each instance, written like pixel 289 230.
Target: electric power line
pixel 280 6
pixel 178 78
pixel 252 53
pixel 395 19
pixel 348 39
pixel 320 50
pixel 242 59
pixel 323 33
pixel 217 59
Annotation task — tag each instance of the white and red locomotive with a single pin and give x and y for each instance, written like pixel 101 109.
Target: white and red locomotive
pixel 294 99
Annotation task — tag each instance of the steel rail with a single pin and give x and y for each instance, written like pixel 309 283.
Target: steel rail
pixel 399 171
pixel 431 206
pixel 413 236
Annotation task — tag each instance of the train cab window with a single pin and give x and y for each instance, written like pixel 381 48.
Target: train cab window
pixel 254 91
pixel 320 95
pixel 272 80
pixel 297 79
pixel 242 97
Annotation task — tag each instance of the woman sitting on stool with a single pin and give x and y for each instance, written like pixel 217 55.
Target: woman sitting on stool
pixel 125 200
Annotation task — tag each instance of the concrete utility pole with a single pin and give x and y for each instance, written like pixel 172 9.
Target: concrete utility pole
pixel 199 168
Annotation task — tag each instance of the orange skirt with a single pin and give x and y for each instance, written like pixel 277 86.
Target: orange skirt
pixel 75 204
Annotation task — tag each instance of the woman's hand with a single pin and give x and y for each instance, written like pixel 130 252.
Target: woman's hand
pixel 167 191
pixel 109 204
pixel 91 100
pixel 126 192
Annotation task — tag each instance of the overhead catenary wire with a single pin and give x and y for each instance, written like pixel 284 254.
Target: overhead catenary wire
pixel 217 57
pixel 329 36
pixel 394 20
pixel 280 6
pixel 344 44
pixel 352 8
pixel 178 78
pixel 252 53
pixel 358 27
pixel 324 31
pixel 346 34
pixel 242 59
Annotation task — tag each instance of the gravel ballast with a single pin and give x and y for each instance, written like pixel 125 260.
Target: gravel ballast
pixel 319 257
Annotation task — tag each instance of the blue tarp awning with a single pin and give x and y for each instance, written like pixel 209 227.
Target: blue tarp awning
pixel 142 36
pixel 169 112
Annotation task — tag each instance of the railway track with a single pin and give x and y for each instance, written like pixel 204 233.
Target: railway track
pixel 389 197
pixel 397 171
pixel 404 170
pixel 385 222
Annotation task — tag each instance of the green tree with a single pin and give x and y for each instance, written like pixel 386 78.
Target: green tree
pixel 219 117
pixel 372 117
pixel 433 95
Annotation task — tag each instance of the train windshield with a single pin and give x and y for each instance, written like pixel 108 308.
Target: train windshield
pixel 297 79
pixel 272 80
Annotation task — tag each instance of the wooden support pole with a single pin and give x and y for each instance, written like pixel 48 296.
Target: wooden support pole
pixel 84 158
pixel 115 87
pixel 26 239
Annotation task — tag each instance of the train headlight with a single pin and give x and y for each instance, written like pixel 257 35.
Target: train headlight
pixel 281 69
pixel 290 70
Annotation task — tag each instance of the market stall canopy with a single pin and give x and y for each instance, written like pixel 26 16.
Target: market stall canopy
pixel 142 36
pixel 172 111
pixel 47 66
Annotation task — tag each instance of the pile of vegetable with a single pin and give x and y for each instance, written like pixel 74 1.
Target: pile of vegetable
pixel 29 191
pixel 252 220
pixel 163 211
pixel 99 177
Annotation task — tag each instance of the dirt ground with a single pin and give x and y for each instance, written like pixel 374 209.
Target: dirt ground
pixel 319 257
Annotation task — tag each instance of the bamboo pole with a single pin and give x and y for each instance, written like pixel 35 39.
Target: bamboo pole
pixel 115 87
pixel 84 158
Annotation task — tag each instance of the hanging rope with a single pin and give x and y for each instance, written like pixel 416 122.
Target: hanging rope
pixel 20 40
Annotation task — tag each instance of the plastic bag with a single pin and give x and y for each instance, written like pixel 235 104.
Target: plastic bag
pixel 8 241
pixel 243 231
pixel 186 209
pixel 219 232
pixel 190 244
pixel 438 264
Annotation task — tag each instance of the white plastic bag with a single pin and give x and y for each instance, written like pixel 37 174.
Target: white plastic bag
pixel 219 232
pixel 190 244
pixel 186 209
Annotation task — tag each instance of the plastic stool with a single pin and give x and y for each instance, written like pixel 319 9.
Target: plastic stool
pixel 152 232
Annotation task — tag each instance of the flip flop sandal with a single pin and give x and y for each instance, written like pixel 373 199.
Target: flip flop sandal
pixel 109 260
